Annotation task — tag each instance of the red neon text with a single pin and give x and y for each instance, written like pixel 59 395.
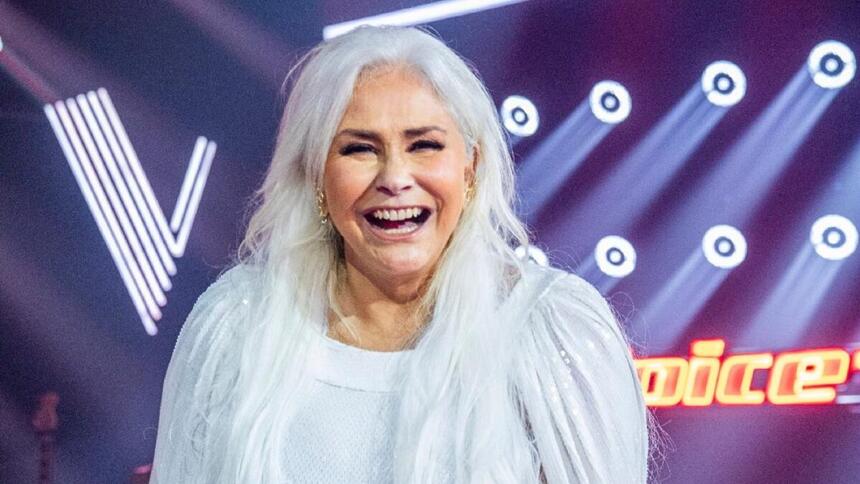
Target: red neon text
pixel 793 377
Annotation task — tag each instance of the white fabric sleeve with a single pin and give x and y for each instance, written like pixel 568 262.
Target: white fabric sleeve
pixel 196 387
pixel 579 388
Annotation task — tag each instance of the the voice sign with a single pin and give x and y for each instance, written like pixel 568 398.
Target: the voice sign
pixel 804 376
pixel 141 242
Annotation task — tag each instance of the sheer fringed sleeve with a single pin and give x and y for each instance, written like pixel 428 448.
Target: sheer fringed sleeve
pixel 579 388
pixel 196 393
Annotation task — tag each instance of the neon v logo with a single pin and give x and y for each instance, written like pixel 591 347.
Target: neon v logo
pixel 121 199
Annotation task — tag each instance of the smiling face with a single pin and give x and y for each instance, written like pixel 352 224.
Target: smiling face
pixel 395 176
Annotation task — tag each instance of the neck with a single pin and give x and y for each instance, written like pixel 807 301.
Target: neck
pixel 381 309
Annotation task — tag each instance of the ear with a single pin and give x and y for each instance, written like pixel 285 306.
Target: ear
pixel 472 167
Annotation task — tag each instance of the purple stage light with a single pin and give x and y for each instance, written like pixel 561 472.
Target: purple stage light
pixel 831 64
pixel 615 256
pixel 519 116
pixel 610 102
pixel 724 83
pixel 834 237
pixel 724 246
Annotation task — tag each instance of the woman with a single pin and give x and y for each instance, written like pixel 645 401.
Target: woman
pixel 379 327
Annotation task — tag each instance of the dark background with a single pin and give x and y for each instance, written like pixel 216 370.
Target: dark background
pixel 183 68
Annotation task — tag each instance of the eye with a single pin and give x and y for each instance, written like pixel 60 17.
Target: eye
pixel 426 144
pixel 356 148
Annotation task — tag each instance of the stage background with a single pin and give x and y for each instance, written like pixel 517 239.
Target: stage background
pixel 179 69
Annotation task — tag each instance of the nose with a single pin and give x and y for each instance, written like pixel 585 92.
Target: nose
pixel 395 176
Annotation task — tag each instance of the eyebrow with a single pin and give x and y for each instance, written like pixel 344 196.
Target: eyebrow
pixel 374 136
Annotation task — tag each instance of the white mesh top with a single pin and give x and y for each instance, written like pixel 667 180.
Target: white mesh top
pixel 345 431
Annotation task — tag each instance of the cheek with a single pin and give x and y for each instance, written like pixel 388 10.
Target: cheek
pixel 449 186
pixel 343 187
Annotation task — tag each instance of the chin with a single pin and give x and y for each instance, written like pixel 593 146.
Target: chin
pixel 405 265
pixel 395 260
pixel 403 260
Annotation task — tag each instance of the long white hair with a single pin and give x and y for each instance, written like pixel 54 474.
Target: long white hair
pixel 458 406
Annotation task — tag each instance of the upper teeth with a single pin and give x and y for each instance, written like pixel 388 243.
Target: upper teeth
pixel 401 214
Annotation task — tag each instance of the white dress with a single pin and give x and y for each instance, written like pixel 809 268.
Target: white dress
pixel 573 369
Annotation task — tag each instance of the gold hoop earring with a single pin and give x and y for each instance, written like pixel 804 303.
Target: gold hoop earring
pixel 470 192
pixel 323 214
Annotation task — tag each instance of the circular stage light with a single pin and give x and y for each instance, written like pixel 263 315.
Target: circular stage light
pixel 834 237
pixel 724 83
pixel 724 246
pixel 831 64
pixel 532 253
pixel 615 256
pixel 610 102
pixel 519 116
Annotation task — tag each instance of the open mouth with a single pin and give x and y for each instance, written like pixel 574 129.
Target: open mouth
pixel 398 221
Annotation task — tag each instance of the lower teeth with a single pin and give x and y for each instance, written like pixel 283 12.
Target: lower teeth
pixel 405 228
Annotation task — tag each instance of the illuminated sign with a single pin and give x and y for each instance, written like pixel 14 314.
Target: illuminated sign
pixel 792 377
pixel 105 165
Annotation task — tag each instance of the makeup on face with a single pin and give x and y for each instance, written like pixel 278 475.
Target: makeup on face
pixel 396 174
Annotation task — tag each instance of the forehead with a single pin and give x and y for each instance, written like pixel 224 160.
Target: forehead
pixel 393 97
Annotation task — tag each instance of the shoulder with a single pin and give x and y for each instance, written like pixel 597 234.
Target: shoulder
pixel 218 310
pixel 548 289
pixel 233 287
pixel 573 311
pixel 236 280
